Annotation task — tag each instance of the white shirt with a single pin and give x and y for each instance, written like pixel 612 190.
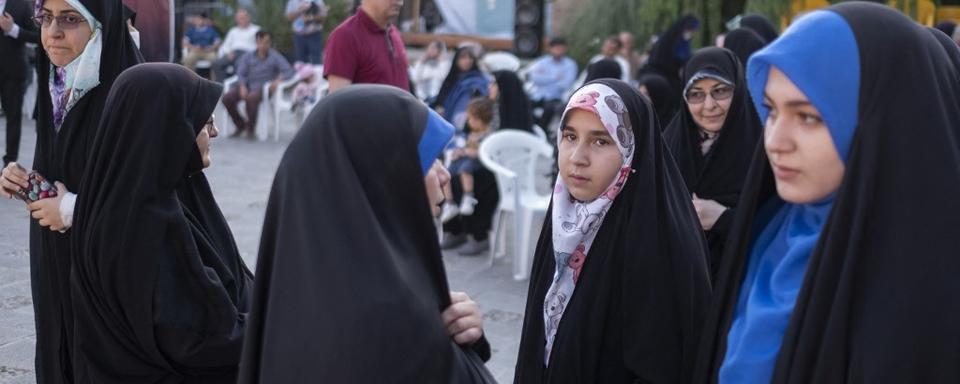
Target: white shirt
pixel 428 77
pixel 15 31
pixel 239 39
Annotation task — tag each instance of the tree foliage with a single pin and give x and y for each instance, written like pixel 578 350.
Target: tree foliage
pixel 592 20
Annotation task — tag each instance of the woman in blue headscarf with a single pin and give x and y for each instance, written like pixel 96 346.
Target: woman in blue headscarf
pixel 841 265
pixel 464 82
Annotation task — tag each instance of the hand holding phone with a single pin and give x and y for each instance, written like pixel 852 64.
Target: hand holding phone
pixel 12 179
pixel 39 189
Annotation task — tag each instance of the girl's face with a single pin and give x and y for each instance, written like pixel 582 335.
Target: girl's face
pixel 708 101
pixel 435 180
pixel 588 157
pixel 208 132
pixel 64 32
pixel 805 161
pixel 465 61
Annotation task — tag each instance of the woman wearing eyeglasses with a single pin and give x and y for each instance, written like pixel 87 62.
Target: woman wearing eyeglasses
pixel 713 138
pixel 85 47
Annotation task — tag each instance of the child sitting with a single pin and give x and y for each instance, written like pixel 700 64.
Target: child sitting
pixel 465 161
pixel 305 91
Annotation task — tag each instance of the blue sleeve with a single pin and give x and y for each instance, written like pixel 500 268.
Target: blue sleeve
pixel 539 77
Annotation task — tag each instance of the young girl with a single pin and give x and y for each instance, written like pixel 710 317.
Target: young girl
pixel 841 265
pixel 619 279
pixel 465 161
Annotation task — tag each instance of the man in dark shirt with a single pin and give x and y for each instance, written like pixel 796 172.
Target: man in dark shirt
pixel 16 28
pixel 254 70
pixel 366 48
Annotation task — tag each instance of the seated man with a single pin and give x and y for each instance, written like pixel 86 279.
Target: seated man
pixel 240 40
pixel 201 41
pixel 254 70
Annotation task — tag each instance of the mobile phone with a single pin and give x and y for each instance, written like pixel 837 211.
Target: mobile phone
pixel 39 189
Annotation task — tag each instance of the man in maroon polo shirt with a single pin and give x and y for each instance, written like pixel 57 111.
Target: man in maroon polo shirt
pixel 366 48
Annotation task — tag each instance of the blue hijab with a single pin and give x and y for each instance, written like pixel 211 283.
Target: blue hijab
pixel 819 54
pixel 434 138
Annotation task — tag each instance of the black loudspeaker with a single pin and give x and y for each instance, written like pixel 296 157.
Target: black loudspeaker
pixel 528 28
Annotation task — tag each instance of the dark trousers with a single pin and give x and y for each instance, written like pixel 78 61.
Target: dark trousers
pixel 308 48
pixel 11 100
pixel 479 223
pixel 232 99
pixel 224 67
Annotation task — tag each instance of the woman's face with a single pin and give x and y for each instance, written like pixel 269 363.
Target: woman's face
pixel 588 157
pixel 805 161
pixel 465 61
pixel 206 134
pixel 494 91
pixel 708 101
pixel 64 41
pixel 436 179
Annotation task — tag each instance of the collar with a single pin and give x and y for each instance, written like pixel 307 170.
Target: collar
pixel 368 22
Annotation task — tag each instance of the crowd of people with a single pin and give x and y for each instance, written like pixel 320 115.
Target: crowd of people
pixel 779 209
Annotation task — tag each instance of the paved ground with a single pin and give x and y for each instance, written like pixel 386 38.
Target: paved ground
pixel 241 178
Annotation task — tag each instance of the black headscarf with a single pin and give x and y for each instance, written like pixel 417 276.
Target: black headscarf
pixel 664 57
pixel 456 73
pixel 351 285
pixel 62 157
pixel 878 300
pixel 514 105
pixel 761 25
pixel 947 27
pixel 636 312
pixel 743 42
pixel 174 312
pixel 720 174
pixel 603 69
pixel 665 100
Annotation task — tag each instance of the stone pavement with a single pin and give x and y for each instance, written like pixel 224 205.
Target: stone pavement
pixel 241 178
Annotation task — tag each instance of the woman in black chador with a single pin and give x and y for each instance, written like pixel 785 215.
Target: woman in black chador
pixel 85 46
pixel 713 139
pixel 159 291
pixel 619 282
pixel 841 265
pixel 351 286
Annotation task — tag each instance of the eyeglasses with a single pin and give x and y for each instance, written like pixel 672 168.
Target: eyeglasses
pixel 696 96
pixel 68 21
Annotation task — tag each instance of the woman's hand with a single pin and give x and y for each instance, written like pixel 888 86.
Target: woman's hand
pixel 463 319
pixel 12 179
pixel 709 211
pixel 47 211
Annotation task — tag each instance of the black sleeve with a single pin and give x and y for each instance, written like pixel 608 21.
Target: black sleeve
pixel 21 15
pixel 722 226
pixel 482 348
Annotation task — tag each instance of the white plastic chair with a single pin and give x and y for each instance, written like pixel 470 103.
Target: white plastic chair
pixel 540 132
pixel 283 101
pixel 501 61
pixel 511 155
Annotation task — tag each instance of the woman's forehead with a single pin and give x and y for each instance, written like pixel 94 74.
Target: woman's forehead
pixel 58 6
